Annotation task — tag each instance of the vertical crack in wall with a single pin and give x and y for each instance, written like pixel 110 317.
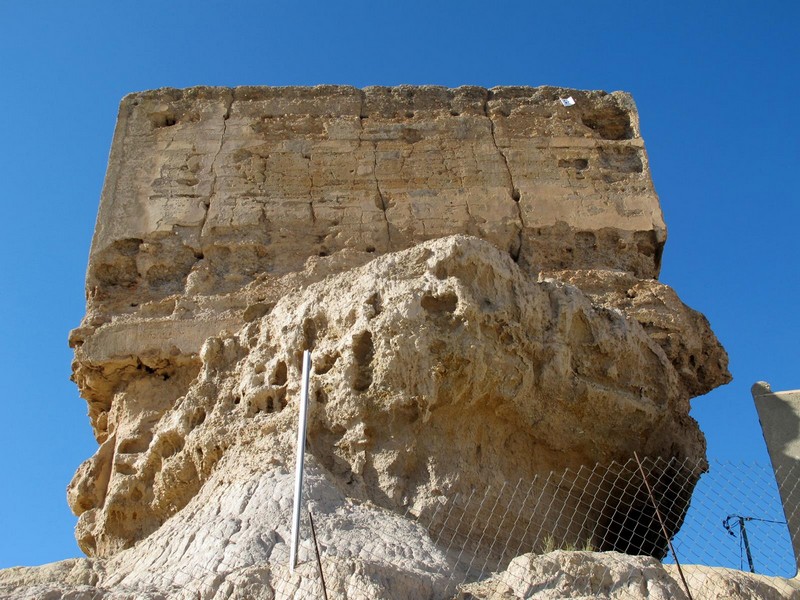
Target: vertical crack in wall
pixel 381 199
pixel 513 191
pixel 310 174
pixel 212 192
pixel 472 223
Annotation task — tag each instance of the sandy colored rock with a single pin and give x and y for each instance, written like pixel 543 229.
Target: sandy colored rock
pixel 684 334
pixel 435 370
pixel 209 187
pixel 214 194
pixel 611 575
pixel 474 273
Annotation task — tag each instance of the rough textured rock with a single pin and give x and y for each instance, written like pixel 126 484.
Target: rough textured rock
pixel 211 189
pixel 436 370
pixel 473 271
pixel 684 334
pixel 610 575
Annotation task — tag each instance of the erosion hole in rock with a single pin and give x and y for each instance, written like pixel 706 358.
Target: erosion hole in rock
pixel 634 530
pixel 309 333
pixel 169 444
pixel 123 468
pixel 197 418
pixel 280 401
pixel 259 405
pixel 579 164
pixel 321 397
pixel 279 376
pixel 411 135
pixel 629 523
pixel 623 159
pixel 256 311
pixel 163 120
pixel 374 301
pixel 515 195
pixel 363 352
pixel 116 266
pixel 647 243
pixel 446 303
pixel 612 124
pixel 325 363
pixel 585 239
pixel 135 445
pixel 515 251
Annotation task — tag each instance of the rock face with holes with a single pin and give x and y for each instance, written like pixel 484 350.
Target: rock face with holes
pixel 474 273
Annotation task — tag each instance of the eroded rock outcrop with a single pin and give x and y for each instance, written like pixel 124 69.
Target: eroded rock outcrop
pixel 474 273
pixel 436 369
pixel 591 575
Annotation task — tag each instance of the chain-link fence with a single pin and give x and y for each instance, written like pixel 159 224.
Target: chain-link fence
pixel 644 528
pixel 690 515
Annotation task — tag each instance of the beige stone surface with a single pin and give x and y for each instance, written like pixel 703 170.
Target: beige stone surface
pixel 473 271
pixel 223 184
pixel 436 370
pixel 611 575
pixel 210 189
pixel 684 334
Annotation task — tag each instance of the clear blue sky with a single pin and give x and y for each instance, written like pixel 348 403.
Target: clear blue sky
pixel 716 84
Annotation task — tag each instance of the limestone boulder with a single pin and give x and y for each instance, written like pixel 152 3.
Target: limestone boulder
pixel 438 369
pixel 683 333
pixel 611 575
pixel 474 273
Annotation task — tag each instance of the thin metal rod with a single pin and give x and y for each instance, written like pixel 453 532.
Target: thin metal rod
pixel 663 527
pixel 746 544
pixel 316 551
pixel 301 453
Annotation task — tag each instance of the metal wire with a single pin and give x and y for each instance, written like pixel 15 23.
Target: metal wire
pixel 490 538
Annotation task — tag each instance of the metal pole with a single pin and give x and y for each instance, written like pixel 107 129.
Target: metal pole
pixel 663 527
pixel 319 560
pixel 301 452
pixel 746 544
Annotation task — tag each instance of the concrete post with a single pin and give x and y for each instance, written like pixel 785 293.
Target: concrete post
pixel 779 413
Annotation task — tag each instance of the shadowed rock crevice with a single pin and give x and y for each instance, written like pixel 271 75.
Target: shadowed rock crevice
pixel 363 353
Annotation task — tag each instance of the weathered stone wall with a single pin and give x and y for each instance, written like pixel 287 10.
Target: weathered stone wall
pixel 210 190
pixel 474 273
pixel 224 184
